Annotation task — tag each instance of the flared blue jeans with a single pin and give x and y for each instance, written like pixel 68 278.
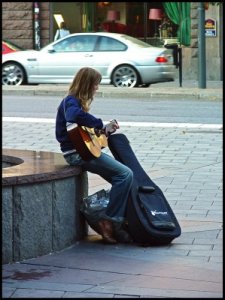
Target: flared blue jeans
pixel 117 174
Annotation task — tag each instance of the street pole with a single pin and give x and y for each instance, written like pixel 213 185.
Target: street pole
pixel 37 37
pixel 201 47
pixel 145 21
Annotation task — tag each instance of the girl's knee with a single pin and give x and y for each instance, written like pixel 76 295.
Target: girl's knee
pixel 125 174
pixel 130 174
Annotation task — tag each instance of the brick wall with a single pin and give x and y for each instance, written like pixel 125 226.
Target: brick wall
pixel 45 23
pixel 213 56
pixel 17 23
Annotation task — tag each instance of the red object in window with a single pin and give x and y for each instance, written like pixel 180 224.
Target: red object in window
pixel 161 59
pixel 155 14
pixel 113 15
pixel 114 27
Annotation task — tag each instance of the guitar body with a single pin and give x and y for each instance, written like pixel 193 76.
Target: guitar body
pixel 86 142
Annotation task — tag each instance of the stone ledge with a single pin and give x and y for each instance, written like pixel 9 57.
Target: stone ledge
pixel 41 199
pixel 34 166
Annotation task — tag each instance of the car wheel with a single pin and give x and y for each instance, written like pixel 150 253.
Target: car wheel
pixel 13 74
pixel 125 76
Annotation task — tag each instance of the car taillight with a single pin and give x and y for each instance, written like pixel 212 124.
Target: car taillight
pixel 161 59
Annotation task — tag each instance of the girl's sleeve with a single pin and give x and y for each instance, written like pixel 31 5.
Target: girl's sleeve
pixel 75 114
pixel 56 35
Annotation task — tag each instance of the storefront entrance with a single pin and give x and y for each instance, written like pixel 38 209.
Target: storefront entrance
pixel 145 20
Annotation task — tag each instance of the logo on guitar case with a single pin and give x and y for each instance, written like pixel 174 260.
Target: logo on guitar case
pixel 154 212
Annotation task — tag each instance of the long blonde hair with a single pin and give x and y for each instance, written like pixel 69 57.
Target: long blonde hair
pixel 82 86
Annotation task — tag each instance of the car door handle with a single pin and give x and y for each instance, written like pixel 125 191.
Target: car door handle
pixel 88 55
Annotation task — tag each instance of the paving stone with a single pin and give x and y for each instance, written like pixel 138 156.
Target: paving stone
pixel 37 293
pixel 188 168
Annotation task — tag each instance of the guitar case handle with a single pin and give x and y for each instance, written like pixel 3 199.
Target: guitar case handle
pixel 146 188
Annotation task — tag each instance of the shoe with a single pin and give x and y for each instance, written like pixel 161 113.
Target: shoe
pixel 121 234
pixel 106 230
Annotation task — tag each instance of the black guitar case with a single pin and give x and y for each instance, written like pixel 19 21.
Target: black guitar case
pixel 150 218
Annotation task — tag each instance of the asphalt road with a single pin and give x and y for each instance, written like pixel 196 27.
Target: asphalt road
pixel 128 110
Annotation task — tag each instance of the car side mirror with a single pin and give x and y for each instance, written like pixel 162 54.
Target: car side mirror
pixel 51 50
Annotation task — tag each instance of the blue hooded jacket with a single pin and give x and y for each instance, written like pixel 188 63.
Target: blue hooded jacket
pixel 70 111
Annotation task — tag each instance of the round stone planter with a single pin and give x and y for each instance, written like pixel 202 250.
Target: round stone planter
pixel 41 197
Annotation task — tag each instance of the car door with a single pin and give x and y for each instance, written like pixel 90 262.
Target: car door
pixel 63 59
pixel 108 53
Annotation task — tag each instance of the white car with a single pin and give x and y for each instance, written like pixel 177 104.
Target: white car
pixel 122 60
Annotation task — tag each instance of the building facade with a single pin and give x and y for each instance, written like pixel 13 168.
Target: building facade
pixel 32 25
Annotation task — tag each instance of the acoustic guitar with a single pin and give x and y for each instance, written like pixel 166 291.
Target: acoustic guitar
pixel 87 143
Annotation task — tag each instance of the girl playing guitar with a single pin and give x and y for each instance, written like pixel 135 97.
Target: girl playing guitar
pixel 74 109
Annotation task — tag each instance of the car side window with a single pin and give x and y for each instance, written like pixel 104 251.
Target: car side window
pixel 109 44
pixel 90 42
pixel 76 44
pixel 62 45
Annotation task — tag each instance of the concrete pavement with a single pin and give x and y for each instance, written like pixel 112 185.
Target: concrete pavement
pixel 186 162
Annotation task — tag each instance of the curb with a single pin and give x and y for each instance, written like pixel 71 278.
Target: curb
pixel 143 93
